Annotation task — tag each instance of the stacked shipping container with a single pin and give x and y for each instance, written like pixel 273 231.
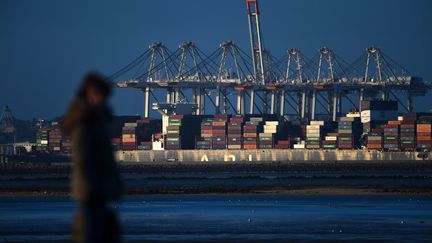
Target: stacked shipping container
pixel 424 134
pixel 407 132
pixel 42 140
pixel 391 136
pixel 251 129
pixel 349 132
pixel 314 134
pixel 266 139
pixel 219 140
pixel 116 143
pixel 173 135
pixel 66 145
pixel 129 141
pixel 330 141
pixel 377 112
pixel 55 138
pixel 205 140
pixel 375 138
pixel 235 133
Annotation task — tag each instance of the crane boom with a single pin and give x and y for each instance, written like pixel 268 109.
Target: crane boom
pixel 255 40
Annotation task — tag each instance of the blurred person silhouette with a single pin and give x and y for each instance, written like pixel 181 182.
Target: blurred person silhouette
pixel 95 177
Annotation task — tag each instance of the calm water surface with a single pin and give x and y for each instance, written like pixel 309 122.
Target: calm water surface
pixel 231 217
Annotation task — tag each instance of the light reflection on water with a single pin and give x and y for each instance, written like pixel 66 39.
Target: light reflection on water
pixel 234 217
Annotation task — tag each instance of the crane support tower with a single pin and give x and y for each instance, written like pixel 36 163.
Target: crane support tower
pixel 7 125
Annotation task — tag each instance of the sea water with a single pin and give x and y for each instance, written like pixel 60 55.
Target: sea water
pixel 215 217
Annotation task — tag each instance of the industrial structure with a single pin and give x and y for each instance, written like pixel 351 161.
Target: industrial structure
pixel 234 82
pixel 7 126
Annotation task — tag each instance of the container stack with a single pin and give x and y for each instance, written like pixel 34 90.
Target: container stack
pixel 235 132
pixel 42 140
pixel 144 131
pixel 144 146
pixel 377 112
pixel 424 138
pixel 250 133
pixel 300 144
pixel 219 139
pixel 330 141
pixel 349 132
pixel 407 132
pixel 116 143
pixel 375 139
pixel 172 140
pixel 203 144
pixel 66 145
pixel 266 139
pixel 391 136
pixel 55 138
pixel 129 136
pixel 283 144
pixel 158 141
pixel 205 140
pixel 314 134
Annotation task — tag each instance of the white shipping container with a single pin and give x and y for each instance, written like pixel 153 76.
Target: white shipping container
pixel 130 124
pixel 317 123
pixel 353 114
pixel 346 119
pixel 330 138
pixel 165 120
pixel 272 123
pixel 265 135
pixel 44 141
pixel 158 145
pixel 376 115
pixel 313 126
pixel 272 127
pixel 299 146
pixel 365 113
pixel 365 119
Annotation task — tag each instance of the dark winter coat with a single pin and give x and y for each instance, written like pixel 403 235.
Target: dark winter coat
pixel 95 175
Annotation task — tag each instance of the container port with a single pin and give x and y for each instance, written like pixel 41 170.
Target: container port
pixel 229 100
pixel 409 132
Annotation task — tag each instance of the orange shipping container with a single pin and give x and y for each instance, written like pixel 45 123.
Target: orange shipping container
pixel 374 146
pixel 249 135
pixel 424 138
pixel 393 122
pixel 424 128
pixel 218 123
pixel 128 140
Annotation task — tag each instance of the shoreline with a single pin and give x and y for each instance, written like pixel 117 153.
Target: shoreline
pixel 305 190
pixel 292 178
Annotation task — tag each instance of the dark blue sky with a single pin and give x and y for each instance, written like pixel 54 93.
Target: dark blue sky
pixel 47 45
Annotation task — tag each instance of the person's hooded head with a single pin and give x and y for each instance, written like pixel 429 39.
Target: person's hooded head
pixel 94 90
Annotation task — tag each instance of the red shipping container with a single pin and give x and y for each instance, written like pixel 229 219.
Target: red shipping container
pixel 284 142
pixel 173 127
pixel 177 116
pixel 236 119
